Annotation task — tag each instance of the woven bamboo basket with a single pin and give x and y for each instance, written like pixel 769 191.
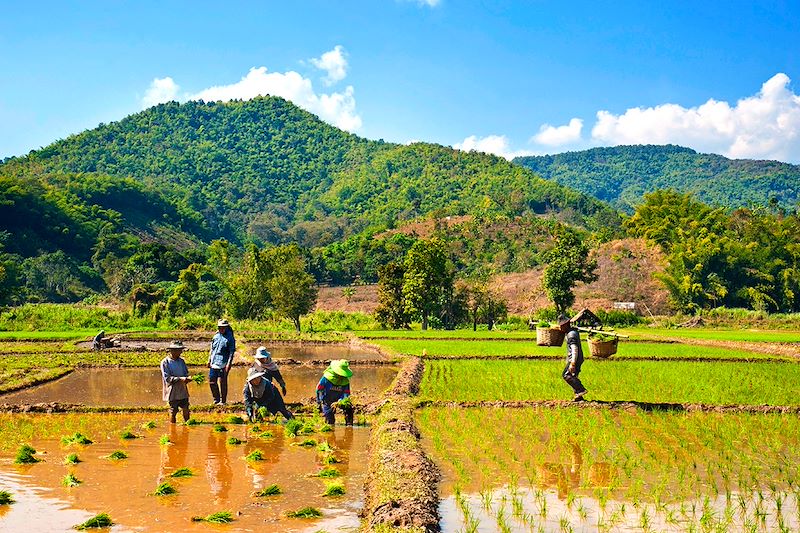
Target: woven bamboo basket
pixel 549 337
pixel 603 349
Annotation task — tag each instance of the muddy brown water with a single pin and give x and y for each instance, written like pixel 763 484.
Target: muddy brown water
pixel 246 349
pixel 141 387
pixel 223 479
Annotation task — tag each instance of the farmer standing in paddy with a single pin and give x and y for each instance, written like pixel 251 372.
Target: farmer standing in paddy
pixel 220 360
pixel 333 387
pixel 574 357
pixel 175 377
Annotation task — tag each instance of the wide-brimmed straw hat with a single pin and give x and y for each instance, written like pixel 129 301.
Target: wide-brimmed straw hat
pixel 341 367
pixel 222 322
pixel 262 353
pixel 176 345
pixel 254 373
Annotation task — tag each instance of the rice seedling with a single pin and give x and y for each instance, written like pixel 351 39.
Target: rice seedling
pixel 345 403
pixel 192 422
pixel 199 378
pixel 265 435
pixel 306 443
pixel 263 413
pixel 328 472
pixel 75 438
pixel 71 459
pixel 233 441
pixel 149 425
pixel 293 427
pixel 305 512
pixel 126 435
pixel 334 488
pixel 330 459
pixel 164 440
pixel 324 447
pixel 101 520
pixel 25 455
pixel 270 490
pixel 220 517
pixel 182 472
pixel 325 428
pixel 235 419
pixel 219 428
pixel 70 480
pixel 117 455
pixel 164 489
pixel 255 455
pixel 6 498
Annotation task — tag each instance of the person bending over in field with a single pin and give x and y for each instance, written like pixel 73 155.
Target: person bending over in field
pixel 333 392
pixel 260 392
pixel 220 359
pixel 574 357
pixel 175 377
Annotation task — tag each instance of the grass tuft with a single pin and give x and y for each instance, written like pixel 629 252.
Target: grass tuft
pixel 305 512
pixel 101 520
pixel 71 459
pixel 164 489
pixel 271 490
pixel 71 481
pixel 118 455
pixel 182 472
pixel 255 455
pixel 220 517
pixel 335 488
pixel 25 455
pixel 75 438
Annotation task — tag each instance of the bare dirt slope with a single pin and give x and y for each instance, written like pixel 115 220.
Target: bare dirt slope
pixel 625 274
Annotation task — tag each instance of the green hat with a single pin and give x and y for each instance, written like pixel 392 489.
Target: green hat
pixel 341 367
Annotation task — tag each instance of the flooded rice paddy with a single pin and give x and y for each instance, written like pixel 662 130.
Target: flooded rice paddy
pixel 141 387
pixel 222 478
pixel 585 470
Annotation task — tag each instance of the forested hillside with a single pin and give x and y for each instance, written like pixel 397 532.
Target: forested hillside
pixel 172 178
pixel 621 175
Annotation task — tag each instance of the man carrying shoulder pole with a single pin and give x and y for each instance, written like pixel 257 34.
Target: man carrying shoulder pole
pixel 574 357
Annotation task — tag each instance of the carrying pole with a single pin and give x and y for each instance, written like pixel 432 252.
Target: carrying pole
pixel 602 332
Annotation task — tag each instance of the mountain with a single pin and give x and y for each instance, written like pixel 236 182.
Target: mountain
pixel 621 175
pixel 177 176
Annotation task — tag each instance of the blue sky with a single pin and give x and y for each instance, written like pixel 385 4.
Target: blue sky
pixel 505 77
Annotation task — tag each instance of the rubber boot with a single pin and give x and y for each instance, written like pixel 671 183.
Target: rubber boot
pixel 214 391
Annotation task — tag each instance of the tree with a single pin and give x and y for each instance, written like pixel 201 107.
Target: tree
pixel 391 311
pixel 291 288
pixel 429 275
pixel 247 294
pixel 568 263
pixel 183 298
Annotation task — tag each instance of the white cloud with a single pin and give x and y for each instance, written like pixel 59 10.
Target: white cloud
pixel 333 63
pixel 161 90
pixel 559 135
pixel 491 144
pixel 763 126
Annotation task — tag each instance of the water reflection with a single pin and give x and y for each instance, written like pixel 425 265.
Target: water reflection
pixel 138 387
pixel 218 466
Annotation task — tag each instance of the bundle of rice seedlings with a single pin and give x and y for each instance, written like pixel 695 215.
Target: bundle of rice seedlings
pixel 149 425
pixel 235 419
pixel 263 412
pixel 5 498
pixel 220 517
pixel 71 459
pixel 265 435
pixel 325 428
pixel 328 471
pixel 307 443
pixel 71 481
pixel 128 435
pixel 182 472
pixel 305 512
pixel 164 440
pixel 118 455
pixel 293 427
pixel 25 455
pixel 334 488
pixel 219 428
pixel 234 441
pixel 199 378
pixel 164 489
pixel 75 438
pixel 324 447
pixel 101 520
pixel 192 422
pixel 330 459
pixel 255 455
pixel 345 403
pixel 272 490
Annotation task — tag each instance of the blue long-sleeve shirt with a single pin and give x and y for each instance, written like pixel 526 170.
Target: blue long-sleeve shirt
pixel 222 349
